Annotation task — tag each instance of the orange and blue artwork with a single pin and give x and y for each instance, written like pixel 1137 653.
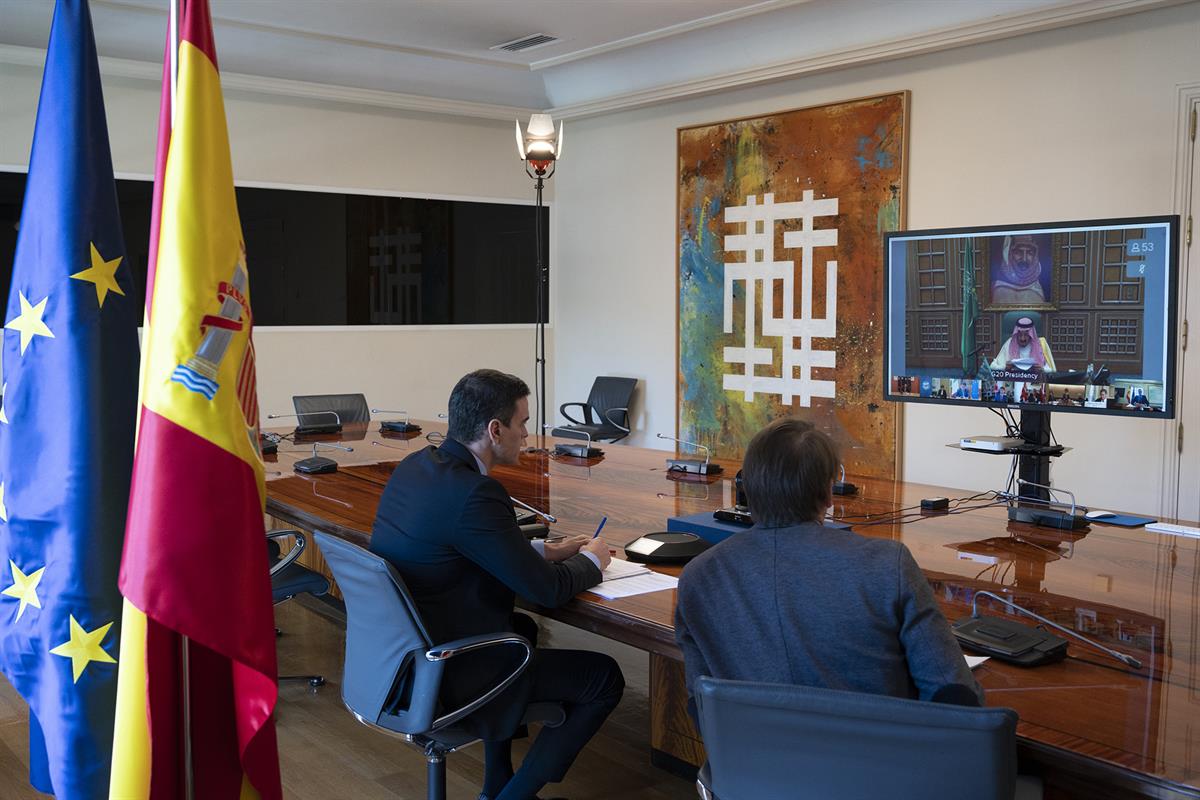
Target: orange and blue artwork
pixel 780 258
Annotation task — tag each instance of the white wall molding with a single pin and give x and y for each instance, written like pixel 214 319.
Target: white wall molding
pixel 1187 98
pixel 282 87
pixel 221 22
pixel 902 47
pixel 663 33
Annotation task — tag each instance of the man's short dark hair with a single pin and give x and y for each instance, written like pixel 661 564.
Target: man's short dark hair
pixel 480 397
pixel 787 472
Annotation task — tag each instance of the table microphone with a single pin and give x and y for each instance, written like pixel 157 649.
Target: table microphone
pixel 396 426
pixel 841 487
pixel 391 446
pixel 574 450
pixel 319 465
pixel 527 507
pixel 691 465
pixel 970 630
pixel 302 429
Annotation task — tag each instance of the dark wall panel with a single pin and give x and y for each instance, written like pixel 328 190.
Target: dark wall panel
pixel 325 258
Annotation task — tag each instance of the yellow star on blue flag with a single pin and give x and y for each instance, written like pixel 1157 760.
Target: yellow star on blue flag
pixel 29 321
pixel 103 274
pixel 84 647
pixel 24 587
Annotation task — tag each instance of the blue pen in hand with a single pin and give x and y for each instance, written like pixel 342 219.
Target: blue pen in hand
pixel 600 527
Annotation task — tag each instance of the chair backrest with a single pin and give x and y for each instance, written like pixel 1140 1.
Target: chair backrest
pixel 773 740
pixel 348 407
pixel 387 680
pixel 611 392
pixel 1009 321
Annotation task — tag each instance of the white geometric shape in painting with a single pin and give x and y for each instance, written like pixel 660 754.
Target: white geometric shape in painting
pixel 760 272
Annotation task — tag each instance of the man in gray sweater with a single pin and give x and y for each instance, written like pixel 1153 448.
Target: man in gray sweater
pixel 792 601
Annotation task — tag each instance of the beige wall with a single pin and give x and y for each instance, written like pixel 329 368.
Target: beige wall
pixel 401 370
pixel 296 143
pixel 1068 124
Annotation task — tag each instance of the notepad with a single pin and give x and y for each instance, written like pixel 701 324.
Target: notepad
pixel 635 584
pixel 619 568
pixel 975 661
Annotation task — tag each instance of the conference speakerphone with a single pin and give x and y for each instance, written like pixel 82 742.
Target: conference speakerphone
pixel 994 444
pixel 666 547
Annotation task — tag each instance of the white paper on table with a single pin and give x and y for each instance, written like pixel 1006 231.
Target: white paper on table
pixel 620 568
pixel 638 584
pixel 974 661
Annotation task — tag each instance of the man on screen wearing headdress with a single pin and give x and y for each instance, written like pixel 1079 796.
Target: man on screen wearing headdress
pixel 1019 280
pixel 1024 351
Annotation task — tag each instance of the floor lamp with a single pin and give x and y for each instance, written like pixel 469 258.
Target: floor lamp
pixel 540 148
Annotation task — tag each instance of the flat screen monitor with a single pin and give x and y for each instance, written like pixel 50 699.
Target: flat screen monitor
pixel 1061 316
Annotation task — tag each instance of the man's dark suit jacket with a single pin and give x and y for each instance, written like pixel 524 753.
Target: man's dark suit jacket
pixel 816 606
pixel 452 534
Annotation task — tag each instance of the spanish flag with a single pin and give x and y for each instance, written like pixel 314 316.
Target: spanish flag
pixel 197 683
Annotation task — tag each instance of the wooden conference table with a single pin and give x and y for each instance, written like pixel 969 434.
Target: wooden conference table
pixel 1090 726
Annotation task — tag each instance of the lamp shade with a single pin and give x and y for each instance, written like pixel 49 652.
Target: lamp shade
pixel 539 142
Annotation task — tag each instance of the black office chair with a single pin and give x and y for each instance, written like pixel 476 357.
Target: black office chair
pixel 348 407
pixel 778 741
pixel 609 399
pixel 289 579
pixel 393 671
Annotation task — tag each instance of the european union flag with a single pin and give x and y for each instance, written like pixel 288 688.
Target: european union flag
pixel 66 426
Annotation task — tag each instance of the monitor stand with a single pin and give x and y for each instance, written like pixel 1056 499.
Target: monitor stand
pixel 1034 502
pixel 1035 467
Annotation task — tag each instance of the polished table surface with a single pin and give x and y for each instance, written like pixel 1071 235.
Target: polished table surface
pixel 1109 729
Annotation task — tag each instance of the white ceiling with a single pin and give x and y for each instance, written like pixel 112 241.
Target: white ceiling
pixel 435 54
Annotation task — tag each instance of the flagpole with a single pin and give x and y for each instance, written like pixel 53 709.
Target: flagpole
pixel 188 782
pixel 174 55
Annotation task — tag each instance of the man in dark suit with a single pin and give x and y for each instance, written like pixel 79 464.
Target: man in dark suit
pixel 792 601
pixel 451 532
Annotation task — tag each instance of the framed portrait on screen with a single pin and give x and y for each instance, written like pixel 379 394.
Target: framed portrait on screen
pixel 1019 273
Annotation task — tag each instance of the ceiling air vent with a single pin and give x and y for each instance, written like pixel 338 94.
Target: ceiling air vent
pixel 525 43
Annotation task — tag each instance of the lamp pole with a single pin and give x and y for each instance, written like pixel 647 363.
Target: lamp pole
pixel 543 294
pixel 540 148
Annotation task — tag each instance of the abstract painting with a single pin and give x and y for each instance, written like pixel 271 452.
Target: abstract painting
pixel 780 258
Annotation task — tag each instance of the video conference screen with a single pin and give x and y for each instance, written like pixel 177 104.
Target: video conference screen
pixel 1073 316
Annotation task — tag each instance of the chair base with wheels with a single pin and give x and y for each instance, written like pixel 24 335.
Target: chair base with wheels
pixel 449 740
pixel 289 579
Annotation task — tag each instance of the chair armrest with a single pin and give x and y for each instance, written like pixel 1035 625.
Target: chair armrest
pixel 586 414
pixel 444 652
pixel 613 422
pixel 704 784
pixel 293 554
